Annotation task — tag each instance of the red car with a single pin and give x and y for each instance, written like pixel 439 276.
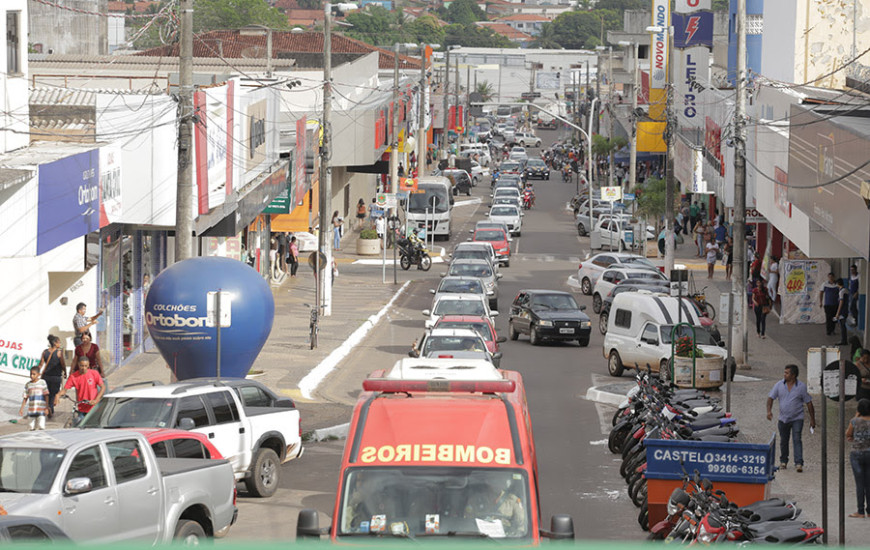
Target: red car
pixel 499 241
pixel 482 325
pixel 168 443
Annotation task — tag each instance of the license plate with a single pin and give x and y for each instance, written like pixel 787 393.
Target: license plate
pixel 566 331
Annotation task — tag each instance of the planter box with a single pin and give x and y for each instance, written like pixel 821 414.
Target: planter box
pixel 708 372
pixel 368 247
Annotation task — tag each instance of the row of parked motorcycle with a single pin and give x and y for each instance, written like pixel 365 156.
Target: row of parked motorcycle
pixel 654 410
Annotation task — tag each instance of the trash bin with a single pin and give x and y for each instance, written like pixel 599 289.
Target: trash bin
pixel 595 239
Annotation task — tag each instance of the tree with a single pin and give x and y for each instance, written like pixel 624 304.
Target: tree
pixel 546 39
pixel 209 15
pixel 651 199
pixel 475 36
pixel 310 4
pixel 463 12
pixel 582 29
pixel 622 5
pixel 485 90
pixel 720 5
pixel 425 30
pixel 375 26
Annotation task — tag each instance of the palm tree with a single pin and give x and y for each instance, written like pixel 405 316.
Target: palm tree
pixel 546 39
pixel 485 90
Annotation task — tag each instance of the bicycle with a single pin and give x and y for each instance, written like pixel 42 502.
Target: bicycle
pixel 313 325
pixel 700 300
pixel 75 414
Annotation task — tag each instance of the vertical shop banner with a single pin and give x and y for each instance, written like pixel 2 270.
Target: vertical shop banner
pixel 110 185
pixel 216 132
pixel 255 134
pixel 200 151
pixel 302 185
pixel 659 44
pixel 691 74
pixel 799 289
pixel 68 199
pixel 693 29
pixel 230 133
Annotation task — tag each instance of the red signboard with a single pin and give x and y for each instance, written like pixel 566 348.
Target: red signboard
pixel 201 152
pixel 299 163
pixel 713 146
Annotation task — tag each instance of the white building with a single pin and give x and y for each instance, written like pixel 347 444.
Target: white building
pixel 13 71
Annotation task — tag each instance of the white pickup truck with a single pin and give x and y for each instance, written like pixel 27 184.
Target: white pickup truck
pixel 106 486
pixel 252 427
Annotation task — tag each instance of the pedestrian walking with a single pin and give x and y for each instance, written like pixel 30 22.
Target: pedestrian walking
pixel 89 387
pixel 773 279
pixel 720 231
pixel 858 433
pixel 89 350
pixel 698 231
pixel 52 369
pixel 694 213
pixel 375 211
pixel 792 396
pixel 728 257
pixel 35 400
pixel 281 237
pixel 842 309
pixel 360 213
pixel 828 297
pixel 853 294
pixel 380 227
pixel 81 323
pixel 712 250
pixel 336 231
pixel 761 307
pixel 293 256
pixel 863 364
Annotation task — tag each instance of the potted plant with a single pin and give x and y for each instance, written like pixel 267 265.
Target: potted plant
pixel 707 367
pixel 368 244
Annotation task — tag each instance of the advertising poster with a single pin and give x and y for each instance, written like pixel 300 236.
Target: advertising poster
pixel 799 288
pixel 69 199
pixel 659 45
pixel 216 134
pixel 110 185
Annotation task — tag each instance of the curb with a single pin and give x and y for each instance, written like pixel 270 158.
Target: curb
pixel 605 397
pixel 338 431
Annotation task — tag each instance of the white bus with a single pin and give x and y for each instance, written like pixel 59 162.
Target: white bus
pixel 431 206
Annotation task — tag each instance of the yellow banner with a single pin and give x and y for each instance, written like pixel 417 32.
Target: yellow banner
pixel 650 137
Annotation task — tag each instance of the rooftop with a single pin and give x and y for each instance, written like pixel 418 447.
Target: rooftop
pixel 525 17
pixel 506 30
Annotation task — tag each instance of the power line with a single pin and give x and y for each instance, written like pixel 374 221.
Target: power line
pixel 816 186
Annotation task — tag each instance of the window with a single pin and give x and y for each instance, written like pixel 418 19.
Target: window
pixel 194 409
pixel 754 23
pixel 623 318
pixel 650 332
pixel 27 532
pixel 161 449
pixel 221 408
pixel 127 460
pixel 253 396
pixel 189 448
pixel 13 42
pixel 89 464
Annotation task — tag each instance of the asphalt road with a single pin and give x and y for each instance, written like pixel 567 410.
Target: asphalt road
pixel 578 476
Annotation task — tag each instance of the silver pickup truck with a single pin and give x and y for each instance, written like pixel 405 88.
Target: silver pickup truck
pixel 106 486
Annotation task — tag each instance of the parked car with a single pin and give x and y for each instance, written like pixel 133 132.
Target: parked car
pixel 444 342
pixel 592 267
pixel 169 443
pixel 458 304
pixel 548 315
pixel 538 169
pixel 639 331
pixel 527 140
pixel 478 172
pixel 500 241
pixel 613 276
pixel 510 215
pixel 483 326
pixel 461 285
pixel 106 486
pixel 31 530
pixel 252 427
pixel 628 286
pixel 481 270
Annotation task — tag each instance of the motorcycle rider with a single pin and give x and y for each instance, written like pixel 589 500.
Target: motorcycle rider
pixel 418 245
pixel 529 195
pixel 566 172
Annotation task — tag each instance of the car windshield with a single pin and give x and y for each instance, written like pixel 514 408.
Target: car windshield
pixel 471 254
pixel 654 275
pixel 702 337
pixel 479 327
pixel 554 302
pixel 423 198
pixel 460 307
pixel 467 286
pixel 29 470
pixel 509 166
pixel 632 260
pixel 130 412
pixel 504 211
pixel 432 501
pixel 453 343
pixel 470 270
pixel 536 163
pixel 489 235
pixel 507 192
pixel 518 150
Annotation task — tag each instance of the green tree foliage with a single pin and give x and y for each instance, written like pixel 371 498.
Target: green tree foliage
pixel 462 12
pixel 720 5
pixel 651 199
pixel 375 25
pixel 582 29
pixel 424 30
pixel 310 4
pixel 622 5
pixel 475 36
pixel 546 39
pixel 209 15
pixel 485 90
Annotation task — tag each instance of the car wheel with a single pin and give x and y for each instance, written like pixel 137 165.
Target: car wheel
pixel 189 533
pixel 493 305
pixel 581 230
pixel 264 473
pixel 583 342
pixel 507 263
pixel 468 192
pixel 534 339
pixel 474 182
pixel 596 303
pixel 586 286
pixel 614 364
pixel 512 332
pixel 537 144
pixel 519 233
pixel 664 370
pixel 602 322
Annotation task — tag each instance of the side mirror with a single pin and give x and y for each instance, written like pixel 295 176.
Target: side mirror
pixel 510 240
pixel 582 308
pixel 444 274
pixel 426 313
pixel 186 424
pixel 561 528
pixel 498 275
pixel 721 343
pixel 78 486
pixel 471 231
pixel 307 524
pixel 501 339
pixel 431 291
pixel 490 293
pixel 413 353
pixel 493 313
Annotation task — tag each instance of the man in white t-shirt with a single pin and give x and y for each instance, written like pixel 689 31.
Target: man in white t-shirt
pixel 712 250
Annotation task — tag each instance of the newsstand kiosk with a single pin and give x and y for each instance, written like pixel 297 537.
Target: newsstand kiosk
pixel 743 470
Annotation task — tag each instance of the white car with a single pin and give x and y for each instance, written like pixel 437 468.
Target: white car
pixel 528 140
pixel 476 250
pixel 592 267
pixel 518 154
pixel 459 304
pixel 507 191
pixel 479 149
pixel 613 276
pixel 443 342
pixel 478 172
pixel 510 215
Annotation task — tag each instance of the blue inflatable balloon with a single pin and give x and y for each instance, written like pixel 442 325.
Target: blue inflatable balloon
pixel 176 315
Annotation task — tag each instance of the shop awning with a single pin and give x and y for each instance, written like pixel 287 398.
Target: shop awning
pixel 379 167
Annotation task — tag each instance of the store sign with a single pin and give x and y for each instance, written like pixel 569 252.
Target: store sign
pixel 692 30
pixel 68 200
pixel 659 41
pixel 611 194
pixel 254 125
pixel 548 81
pixel 713 146
pixel 18 356
pixel 692 67
pixel 714 460
pixel 780 190
pixel 110 185
pixel 688 6
pixel 302 184
pixel 280 204
pixel 176 314
pixel 801 281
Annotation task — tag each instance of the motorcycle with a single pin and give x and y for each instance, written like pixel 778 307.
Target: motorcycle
pixel 413 254
pixel 566 175
pixel 528 200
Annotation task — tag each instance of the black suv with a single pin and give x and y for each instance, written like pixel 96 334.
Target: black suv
pixel 548 315
pixel 461 181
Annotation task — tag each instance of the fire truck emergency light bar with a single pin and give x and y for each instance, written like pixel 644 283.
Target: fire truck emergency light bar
pixel 450 386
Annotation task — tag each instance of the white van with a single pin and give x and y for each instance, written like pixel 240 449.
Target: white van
pixel 639 331
pixel 433 192
pixel 481 149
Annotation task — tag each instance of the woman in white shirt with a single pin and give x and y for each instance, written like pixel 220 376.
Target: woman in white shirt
pixel 773 278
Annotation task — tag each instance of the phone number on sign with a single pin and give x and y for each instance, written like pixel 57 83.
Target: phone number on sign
pixel 735 469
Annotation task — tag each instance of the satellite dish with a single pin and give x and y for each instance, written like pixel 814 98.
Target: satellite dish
pixel 254 52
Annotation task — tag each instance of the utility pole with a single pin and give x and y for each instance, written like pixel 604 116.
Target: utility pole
pixel 184 182
pixel 324 244
pixel 597 87
pixel 739 281
pixel 468 90
pixel 531 98
pixel 421 126
pixel 611 112
pixel 632 158
pixel 456 102
pixel 394 124
pixel 670 180
pixel 446 91
pixel 577 104
pixel 269 53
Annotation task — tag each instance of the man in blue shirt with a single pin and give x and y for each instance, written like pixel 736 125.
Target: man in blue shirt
pixel 791 394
